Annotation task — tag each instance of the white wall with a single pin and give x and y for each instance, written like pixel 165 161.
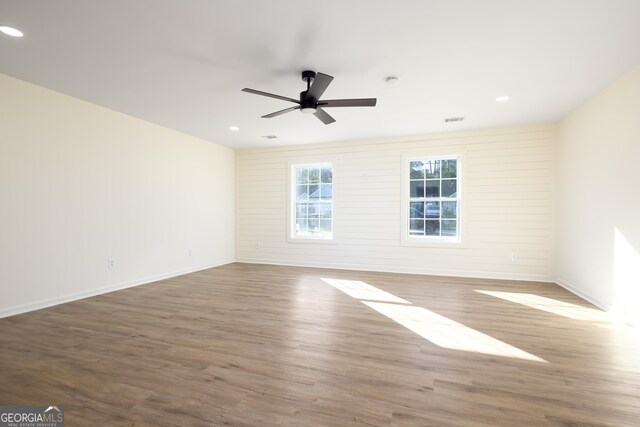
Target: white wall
pixel 598 204
pixel 508 202
pixel 80 184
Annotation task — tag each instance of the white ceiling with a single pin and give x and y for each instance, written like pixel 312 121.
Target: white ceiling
pixel 182 63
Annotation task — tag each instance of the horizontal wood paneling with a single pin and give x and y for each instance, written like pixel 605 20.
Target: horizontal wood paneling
pixel 508 203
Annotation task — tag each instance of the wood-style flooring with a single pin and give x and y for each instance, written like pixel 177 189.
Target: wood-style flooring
pixel 260 345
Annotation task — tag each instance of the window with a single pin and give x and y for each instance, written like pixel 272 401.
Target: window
pixel 433 199
pixel 312 201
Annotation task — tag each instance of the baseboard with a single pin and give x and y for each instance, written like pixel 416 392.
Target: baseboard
pixel 12 311
pixel 392 269
pixel 583 295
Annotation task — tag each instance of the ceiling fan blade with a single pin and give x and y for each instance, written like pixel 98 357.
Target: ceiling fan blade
pixel 324 116
pixel 362 102
pixel 319 85
pixel 270 95
pixel 277 113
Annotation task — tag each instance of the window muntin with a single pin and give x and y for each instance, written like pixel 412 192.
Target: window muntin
pixel 434 198
pixel 312 201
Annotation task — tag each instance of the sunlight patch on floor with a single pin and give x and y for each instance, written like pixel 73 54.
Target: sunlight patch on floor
pixel 363 291
pixel 553 306
pixel 439 330
pixel 447 333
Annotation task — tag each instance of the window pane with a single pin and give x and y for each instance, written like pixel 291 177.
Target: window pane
pixel 325 226
pixel 449 188
pixel 449 227
pixel 301 210
pixel 313 210
pixel 326 191
pixel 433 210
pixel 326 175
pixel 449 209
pixel 313 201
pixel 301 226
pixel 416 210
pixel 416 227
pixel 432 188
pixel 314 175
pixel 432 169
pixel 416 189
pixel 416 170
pixel 314 191
pixel 325 210
pixel 302 175
pixel 301 192
pixel 449 168
pixel 432 227
pixel 433 195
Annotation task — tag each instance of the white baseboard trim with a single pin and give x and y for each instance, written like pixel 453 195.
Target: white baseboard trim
pixel 392 269
pixel 583 295
pixel 12 311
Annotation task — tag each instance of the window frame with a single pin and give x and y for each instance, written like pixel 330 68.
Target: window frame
pixel 434 241
pixel 291 200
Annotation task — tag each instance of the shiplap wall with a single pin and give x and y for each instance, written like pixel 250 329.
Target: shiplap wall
pixel 508 205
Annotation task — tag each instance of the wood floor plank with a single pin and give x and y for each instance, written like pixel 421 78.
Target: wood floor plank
pixel 261 345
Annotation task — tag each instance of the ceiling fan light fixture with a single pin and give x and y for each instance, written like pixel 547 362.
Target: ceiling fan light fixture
pixel 308 110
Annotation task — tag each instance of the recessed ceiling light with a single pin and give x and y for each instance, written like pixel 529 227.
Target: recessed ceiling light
pixel 11 31
pixel 502 98
pixel 234 128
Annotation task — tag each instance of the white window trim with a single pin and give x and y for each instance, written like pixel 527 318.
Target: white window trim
pixel 291 205
pixel 435 242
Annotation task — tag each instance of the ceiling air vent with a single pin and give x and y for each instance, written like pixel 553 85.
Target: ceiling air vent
pixel 453 119
pixel 269 136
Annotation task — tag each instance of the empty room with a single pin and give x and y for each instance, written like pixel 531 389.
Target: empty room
pixel 341 213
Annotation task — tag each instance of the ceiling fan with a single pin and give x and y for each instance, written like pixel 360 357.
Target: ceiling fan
pixel 310 101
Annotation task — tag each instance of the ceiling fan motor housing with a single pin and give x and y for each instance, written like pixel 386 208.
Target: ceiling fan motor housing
pixel 309 105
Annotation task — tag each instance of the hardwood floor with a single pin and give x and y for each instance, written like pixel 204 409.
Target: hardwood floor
pixel 258 345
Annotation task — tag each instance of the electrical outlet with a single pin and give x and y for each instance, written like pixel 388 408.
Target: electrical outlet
pixel 514 257
pixel 111 264
pixel 257 245
pixel 190 252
